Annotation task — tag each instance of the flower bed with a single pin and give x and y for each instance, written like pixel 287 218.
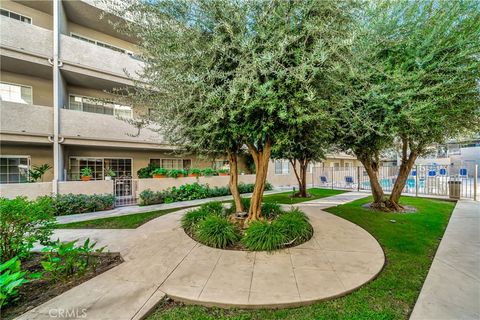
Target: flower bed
pixel 215 226
pixel 192 191
pixel 152 171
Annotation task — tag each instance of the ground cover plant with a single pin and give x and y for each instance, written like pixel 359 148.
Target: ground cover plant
pixel 213 225
pixel 192 191
pixel 288 198
pixel 409 244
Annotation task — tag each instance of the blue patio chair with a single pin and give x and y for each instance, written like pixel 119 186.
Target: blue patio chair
pixel 323 180
pixel 443 172
pixel 463 172
pixel 414 173
pixel 349 181
pixel 432 173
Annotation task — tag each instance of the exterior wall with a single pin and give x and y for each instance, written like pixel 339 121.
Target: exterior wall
pixel 165 183
pixel 38 155
pixel 26 119
pixel 99 36
pixel 42 89
pixel 86 187
pixel 29 190
pixel 39 18
pixel 140 158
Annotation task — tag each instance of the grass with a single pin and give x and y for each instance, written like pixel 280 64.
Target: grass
pixel 409 244
pixel 316 193
pixel 130 221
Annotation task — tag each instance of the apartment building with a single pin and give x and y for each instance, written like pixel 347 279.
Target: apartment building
pixel 59 60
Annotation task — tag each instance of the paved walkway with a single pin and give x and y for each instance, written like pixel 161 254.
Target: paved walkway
pixel 160 259
pixel 122 211
pixel 452 287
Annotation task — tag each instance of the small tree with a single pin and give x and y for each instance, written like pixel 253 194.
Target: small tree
pixel 415 82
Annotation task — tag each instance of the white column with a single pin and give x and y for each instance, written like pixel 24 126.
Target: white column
pixel 58 97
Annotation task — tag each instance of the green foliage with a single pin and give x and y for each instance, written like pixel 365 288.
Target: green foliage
pixel 222 170
pixel 295 226
pixel 146 172
pixel 191 192
pixel 23 223
pixel 192 217
pixel 111 173
pixel 195 171
pixel 11 278
pixel 245 204
pixel 215 207
pixel 37 172
pixel 271 210
pixel 160 171
pixel 86 172
pixel 217 231
pixel 207 172
pixel 65 259
pixel 262 235
pixel 65 204
pixel 174 173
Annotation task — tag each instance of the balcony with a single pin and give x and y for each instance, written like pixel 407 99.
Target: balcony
pixel 25 123
pixel 85 128
pixel 85 58
pixel 21 41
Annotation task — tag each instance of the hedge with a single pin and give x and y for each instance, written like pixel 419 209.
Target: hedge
pixel 65 204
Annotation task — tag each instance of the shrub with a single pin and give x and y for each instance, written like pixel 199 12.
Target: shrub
pixel 192 217
pixel 294 224
pixel 65 204
pixel 22 223
pixel 147 172
pixel 195 171
pixel 148 197
pixel 209 172
pixel 216 231
pixel 245 204
pixel 214 207
pixel 271 210
pixel 160 171
pixel 11 278
pixel 174 173
pixel 64 259
pixel 262 235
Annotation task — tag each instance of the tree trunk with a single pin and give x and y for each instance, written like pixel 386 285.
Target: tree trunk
pixel 233 183
pixel 301 176
pixel 261 158
pixel 371 167
pixel 404 171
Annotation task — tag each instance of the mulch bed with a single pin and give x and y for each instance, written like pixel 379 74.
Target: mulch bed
pixel 36 292
pixel 406 209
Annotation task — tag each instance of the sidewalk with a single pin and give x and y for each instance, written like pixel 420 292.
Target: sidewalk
pixel 452 287
pixel 122 211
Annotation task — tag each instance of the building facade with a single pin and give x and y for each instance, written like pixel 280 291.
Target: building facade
pixel 59 60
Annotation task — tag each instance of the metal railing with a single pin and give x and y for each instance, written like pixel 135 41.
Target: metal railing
pixel 456 181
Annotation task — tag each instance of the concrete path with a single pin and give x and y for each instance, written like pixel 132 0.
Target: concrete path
pixel 160 259
pixel 452 288
pixel 122 211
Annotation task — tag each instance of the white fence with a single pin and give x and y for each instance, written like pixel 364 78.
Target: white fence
pixel 429 180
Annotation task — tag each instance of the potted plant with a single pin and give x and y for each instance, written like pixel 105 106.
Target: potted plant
pixel 208 172
pixel 194 172
pixel 86 174
pixel 223 172
pixel 110 174
pixel 174 173
pixel 160 173
pixel 182 173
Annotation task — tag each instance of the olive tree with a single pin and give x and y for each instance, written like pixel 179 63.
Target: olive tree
pixel 414 82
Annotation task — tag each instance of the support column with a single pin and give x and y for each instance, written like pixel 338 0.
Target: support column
pixel 58 96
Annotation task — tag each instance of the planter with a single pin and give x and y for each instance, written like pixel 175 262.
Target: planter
pixel 108 178
pixel 181 175
pixel 85 178
pixel 223 174
pixel 159 176
pixel 193 175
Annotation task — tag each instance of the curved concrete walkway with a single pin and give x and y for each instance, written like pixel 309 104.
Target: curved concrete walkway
pixel 160 259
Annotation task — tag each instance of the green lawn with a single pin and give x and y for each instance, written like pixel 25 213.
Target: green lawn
pixel 409 244
pixel 130 221
pixel 316 193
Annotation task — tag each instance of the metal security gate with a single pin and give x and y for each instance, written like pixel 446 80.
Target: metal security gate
pixel 124 191
pixel 428 180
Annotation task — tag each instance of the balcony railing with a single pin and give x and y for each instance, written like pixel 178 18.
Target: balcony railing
pixel 25 119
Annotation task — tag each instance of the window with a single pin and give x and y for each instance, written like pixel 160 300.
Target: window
pixel 98 43
pixel 282 167
pixel 14 169
pixel 15 93
pixel 221 164
pixel 15 16
pixel 172 163
pixel 121 166
pixel 93 105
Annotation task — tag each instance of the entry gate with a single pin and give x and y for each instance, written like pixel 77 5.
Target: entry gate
pixel 124 191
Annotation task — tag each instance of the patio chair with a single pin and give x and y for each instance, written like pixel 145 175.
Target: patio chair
pixel 432 173
pixel 349 181
pixel 443 172
pixel 324 181
pixel 463 173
